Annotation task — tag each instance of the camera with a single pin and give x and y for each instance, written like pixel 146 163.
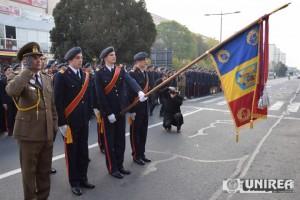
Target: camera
pixel 174 92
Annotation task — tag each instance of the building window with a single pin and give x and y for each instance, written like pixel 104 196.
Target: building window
pixel 2 38
pixel 10 33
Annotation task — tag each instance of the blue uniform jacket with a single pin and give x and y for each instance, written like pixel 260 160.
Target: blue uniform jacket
pixel 139 77
pixel 113 102
pixel 67 85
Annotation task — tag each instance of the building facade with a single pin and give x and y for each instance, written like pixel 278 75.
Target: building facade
pixel 276 55
pixel 23 21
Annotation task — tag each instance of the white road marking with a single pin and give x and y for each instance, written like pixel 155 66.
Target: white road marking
pixel 294 107
pixel 276 106
pixel 237 171
pixel 222 103
pixel 16 171
pixel 212 100
pixel 200 98
pixel 201 131
pixel 256 151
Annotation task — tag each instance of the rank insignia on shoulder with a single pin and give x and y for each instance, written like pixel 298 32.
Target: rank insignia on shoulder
pixel 97 69
pixel 61 71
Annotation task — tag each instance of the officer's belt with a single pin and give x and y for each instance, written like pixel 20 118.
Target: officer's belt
pixel 113 81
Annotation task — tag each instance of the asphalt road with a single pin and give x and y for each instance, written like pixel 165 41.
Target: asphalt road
pixel 188 165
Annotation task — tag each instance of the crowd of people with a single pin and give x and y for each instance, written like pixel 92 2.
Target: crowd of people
pixel 40 99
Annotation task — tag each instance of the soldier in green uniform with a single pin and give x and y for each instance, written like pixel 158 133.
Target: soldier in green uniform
pixel 36 122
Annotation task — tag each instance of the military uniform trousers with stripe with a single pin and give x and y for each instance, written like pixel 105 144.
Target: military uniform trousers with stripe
pixel 138 135
pixel 114 143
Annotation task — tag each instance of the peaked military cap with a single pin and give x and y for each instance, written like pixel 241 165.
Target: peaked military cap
pixel 47 66
pixel 7 67
pixel 72 53
pixel 140 56
pixel 61 64
pixel 31 48
pixel 87 65
pixel 105 52
pixel 16 66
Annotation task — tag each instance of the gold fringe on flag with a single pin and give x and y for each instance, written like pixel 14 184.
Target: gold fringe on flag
pixel 130 121
pixel 237 137
pixel 251 123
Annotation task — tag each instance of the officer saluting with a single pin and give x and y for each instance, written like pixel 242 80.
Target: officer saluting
pixel 73 101
pixel 36 122
pixel 139 114
pixel 109 87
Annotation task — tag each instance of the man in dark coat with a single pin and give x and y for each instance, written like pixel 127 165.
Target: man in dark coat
pixel 139 113
pixel 109 87
pixel 172 114
pixel 73 103
pixel 10 110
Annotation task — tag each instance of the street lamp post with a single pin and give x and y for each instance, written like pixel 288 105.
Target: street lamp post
pixel 221 14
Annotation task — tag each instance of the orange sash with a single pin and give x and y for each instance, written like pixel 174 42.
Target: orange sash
pixel 113 81
pixel 78 98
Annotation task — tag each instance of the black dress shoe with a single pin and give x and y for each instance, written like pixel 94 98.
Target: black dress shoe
pixel 76 190
pixel 117 174
pixel 178 130
pixel 139 161
pixel 146 159
pixel 124 171
pixel 87 185
pixel 53 171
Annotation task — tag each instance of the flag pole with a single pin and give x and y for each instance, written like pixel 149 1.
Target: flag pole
pixel 200 58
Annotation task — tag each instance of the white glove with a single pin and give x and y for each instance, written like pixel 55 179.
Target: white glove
pixel 132 116
pixel 112 118
pixel 96 111
pixel 142 96
pixel 63 130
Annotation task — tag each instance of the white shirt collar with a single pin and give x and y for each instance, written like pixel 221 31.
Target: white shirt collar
pixel 73 69
pixel 108 67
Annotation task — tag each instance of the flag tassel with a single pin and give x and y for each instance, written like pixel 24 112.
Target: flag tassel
pixel 237 137
pixel 251 123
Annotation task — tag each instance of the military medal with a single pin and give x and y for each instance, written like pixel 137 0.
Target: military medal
pixel 32 81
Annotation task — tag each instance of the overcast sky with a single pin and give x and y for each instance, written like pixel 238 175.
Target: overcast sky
pixel 284 25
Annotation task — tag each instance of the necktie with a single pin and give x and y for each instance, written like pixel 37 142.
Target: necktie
pixel 37 80
pixel 112 70
pixel 77 73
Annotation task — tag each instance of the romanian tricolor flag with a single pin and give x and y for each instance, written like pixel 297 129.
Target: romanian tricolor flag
pixel 242 66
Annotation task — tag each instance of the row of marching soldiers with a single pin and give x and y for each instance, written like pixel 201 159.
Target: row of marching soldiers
pixel 62 103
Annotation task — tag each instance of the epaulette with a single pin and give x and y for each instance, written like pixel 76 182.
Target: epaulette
pixel 132 70
pixel 61 71
pixel 97 69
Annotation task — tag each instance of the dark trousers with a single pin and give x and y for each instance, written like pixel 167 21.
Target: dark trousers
pixel 2 119
pixel 189 90
pixel 77 155
pixel 100 138
pixel 35 161
pixel 114 140
pixel 10 117
pixel 153 101
pixel 173 119
pixel 138 135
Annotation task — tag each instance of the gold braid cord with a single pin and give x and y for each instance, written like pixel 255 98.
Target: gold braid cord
pixel 31 107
